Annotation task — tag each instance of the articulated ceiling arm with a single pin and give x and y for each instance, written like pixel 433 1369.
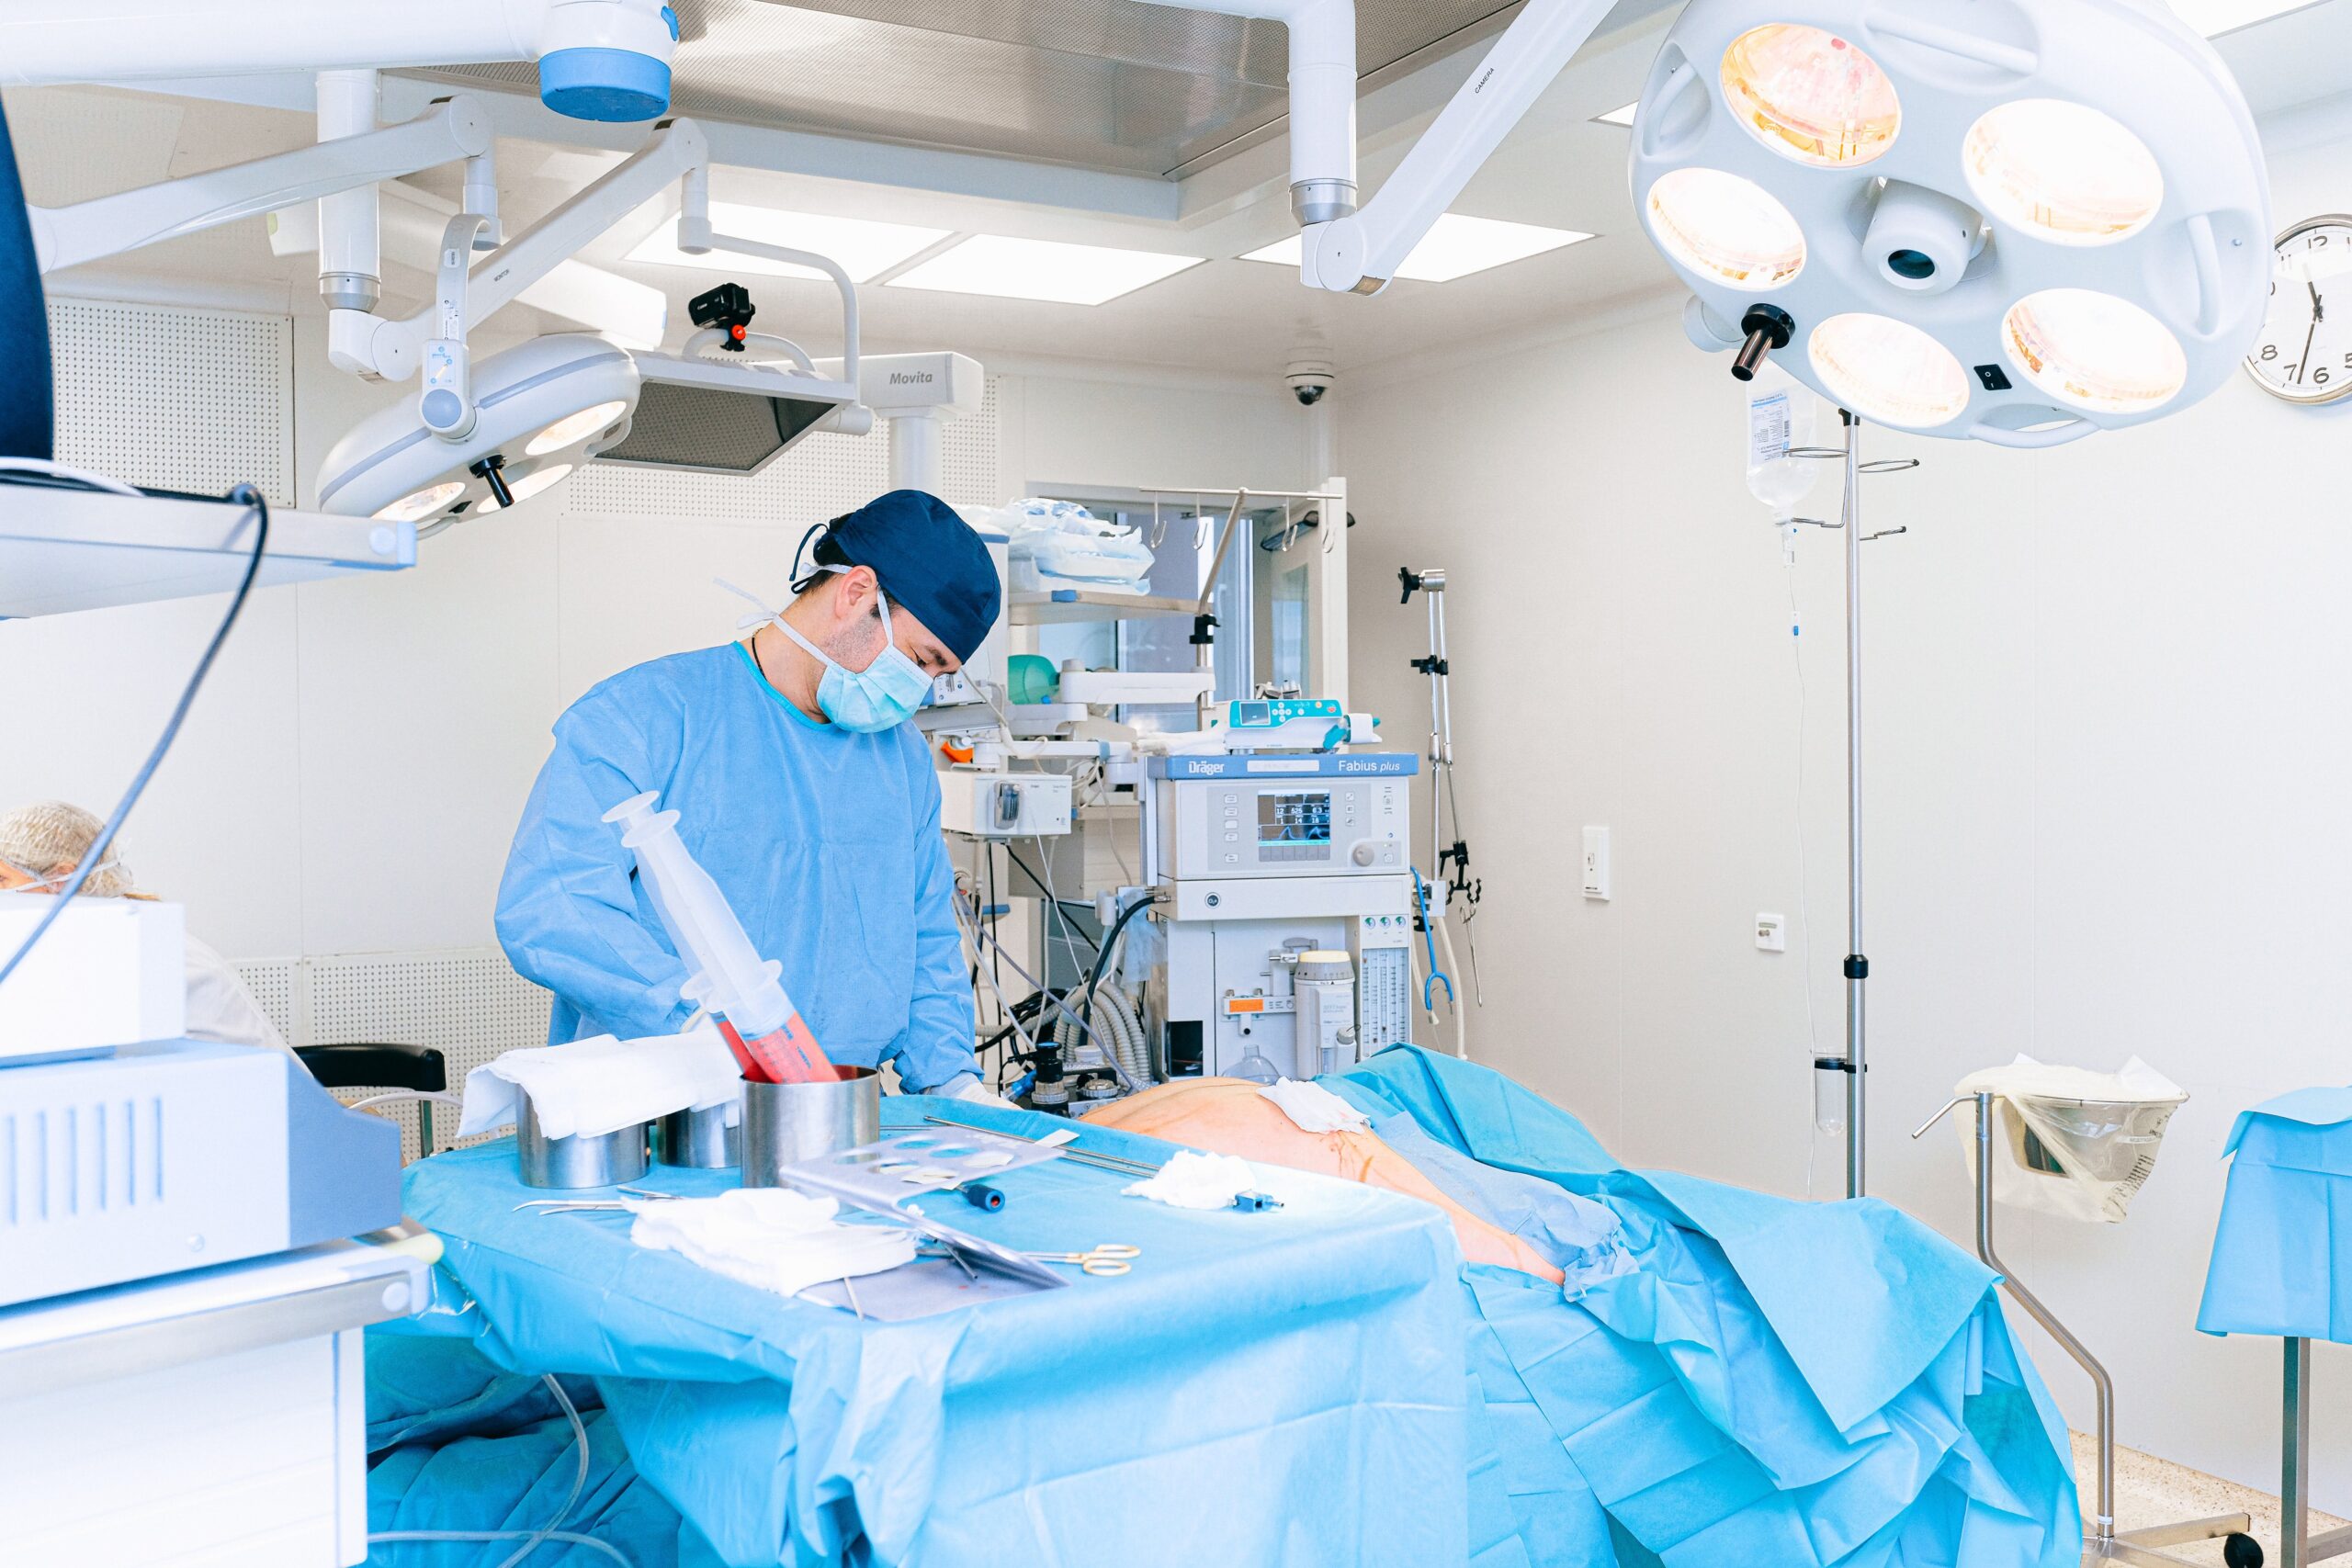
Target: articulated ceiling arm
pixel 1360 254
pixel 90 230
pixel 1348 251
pixel 368 345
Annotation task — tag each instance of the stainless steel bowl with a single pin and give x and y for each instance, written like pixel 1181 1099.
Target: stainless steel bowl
pixel 785 1123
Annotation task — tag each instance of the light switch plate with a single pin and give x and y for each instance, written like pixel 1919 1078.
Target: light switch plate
pixel 1596 880
pixel 1772 932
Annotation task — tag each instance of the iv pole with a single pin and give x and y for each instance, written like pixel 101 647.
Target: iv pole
pixel 1854 1063
pixel 1858 965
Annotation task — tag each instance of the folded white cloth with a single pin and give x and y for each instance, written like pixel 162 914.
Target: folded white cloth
pixel 770 1238
pixel 601 1085
pixel 1313 1109
pixel 1190 1180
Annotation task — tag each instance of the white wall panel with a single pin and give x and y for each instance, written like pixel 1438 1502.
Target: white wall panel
pixel 426 698
pixel 86 695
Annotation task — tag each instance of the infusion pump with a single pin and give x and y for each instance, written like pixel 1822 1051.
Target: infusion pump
pixel 1260 860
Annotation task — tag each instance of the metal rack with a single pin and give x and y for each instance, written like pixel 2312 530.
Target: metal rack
pixel 2102 1543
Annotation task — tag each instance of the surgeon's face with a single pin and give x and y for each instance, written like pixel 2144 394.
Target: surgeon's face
pixel 858 641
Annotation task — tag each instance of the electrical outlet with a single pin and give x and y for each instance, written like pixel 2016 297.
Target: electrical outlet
pixel 1597 883
pixel 1772 932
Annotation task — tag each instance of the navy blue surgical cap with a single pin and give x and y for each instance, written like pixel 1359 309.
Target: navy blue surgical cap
pixel 928 559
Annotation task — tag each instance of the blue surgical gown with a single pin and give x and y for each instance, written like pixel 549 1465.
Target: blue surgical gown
pixel 827 844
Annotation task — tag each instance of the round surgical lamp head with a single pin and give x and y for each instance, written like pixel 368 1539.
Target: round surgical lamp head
pixel 543 409
pixel 2020 220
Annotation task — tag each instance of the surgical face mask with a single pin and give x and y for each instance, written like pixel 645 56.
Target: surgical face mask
pixel 881 696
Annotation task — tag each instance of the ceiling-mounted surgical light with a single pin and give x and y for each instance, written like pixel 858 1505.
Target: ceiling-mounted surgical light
pixel 572 429
pixel 2062 172
pixel 2093 351
pixel 421 504
pixel 1889 371
pixel 1908 196
pixel 1811 96
pixel 1729 229
pixel 547 407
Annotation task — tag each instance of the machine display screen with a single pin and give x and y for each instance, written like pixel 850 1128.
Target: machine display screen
pixel 1301 819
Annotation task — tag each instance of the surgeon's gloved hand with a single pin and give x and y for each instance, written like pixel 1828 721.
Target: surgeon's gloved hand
pixel 968 1086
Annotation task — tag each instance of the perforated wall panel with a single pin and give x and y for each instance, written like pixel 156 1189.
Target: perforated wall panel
pixel 468 1003
pixel 272 981
pixel 175 398
pixel 823 477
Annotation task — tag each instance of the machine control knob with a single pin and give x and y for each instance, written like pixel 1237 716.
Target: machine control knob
pixel 1364 854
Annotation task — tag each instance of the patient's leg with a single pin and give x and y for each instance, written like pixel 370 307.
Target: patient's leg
pixel 1228 1116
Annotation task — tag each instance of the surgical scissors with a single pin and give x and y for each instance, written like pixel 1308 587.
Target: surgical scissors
pixel 1107 1260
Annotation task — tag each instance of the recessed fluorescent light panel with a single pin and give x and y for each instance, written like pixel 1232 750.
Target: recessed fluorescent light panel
pixel 865 248
pixel 2213 18
pixel 1455 248
pixel 1049 270
pixel 1624 117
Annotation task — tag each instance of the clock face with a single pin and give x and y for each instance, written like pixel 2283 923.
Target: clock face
pixel 2305 351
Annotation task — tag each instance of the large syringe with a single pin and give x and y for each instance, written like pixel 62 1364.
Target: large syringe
pixel 730 979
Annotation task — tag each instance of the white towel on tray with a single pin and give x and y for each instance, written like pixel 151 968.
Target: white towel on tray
pixel 597 1085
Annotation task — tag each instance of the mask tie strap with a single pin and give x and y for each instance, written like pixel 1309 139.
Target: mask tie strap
pixel 750 623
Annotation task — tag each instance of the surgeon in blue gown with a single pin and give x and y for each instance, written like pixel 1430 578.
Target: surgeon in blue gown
pixel 802 791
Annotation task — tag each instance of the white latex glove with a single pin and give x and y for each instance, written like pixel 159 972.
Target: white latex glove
pixel 968 1086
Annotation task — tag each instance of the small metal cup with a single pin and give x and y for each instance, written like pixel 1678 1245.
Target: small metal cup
pixel 785 1123
pixel 564 1163
pixel 697 1140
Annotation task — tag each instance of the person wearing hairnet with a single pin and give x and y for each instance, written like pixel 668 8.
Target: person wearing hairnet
pixel 802 791
pixel 42 845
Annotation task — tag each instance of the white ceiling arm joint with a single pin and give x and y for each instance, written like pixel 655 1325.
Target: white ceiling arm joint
pixel 1360 256
pixel 1322 98
pixel 694 212
pixel 368 346
pixel 481 197
pixel 351 254
pixel 90 230
pixel 445 401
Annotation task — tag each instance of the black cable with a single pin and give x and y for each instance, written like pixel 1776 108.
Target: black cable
pixel 252 499
pixel 1103 958
pixel 1055 902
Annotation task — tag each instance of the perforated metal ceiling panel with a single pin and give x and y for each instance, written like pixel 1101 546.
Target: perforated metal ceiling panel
pixel 1112 84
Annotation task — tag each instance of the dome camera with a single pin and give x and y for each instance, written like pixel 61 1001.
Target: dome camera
pixel 1308 380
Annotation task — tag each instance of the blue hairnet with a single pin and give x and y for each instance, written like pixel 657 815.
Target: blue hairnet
pixel 928 559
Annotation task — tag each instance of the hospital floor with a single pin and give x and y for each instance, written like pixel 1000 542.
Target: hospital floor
pixel 2152 1491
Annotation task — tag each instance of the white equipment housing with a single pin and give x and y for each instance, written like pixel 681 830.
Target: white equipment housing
pixel 1261 859
pixel 1004 804
pixel 110 972
pixel 181 1375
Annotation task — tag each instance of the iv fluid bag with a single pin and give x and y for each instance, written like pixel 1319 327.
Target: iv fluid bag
pixel 1780 417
